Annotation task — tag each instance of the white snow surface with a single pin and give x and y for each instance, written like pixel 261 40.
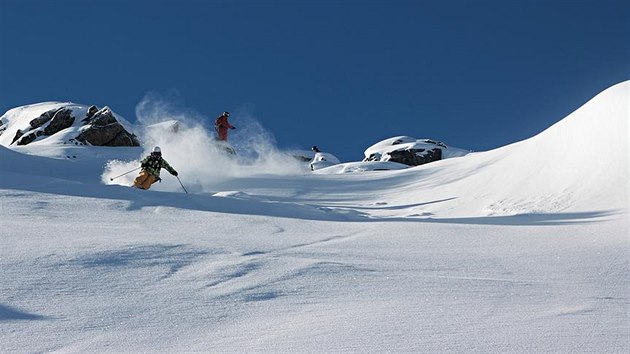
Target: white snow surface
pixel 520 249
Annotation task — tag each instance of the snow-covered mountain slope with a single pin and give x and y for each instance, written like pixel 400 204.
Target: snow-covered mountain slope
pixel 518 249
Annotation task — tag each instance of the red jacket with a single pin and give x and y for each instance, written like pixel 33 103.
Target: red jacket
pixel 221 125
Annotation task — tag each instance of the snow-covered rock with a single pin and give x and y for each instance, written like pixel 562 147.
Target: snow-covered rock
pixel 49 123
pixel 411 151
pixel 65 123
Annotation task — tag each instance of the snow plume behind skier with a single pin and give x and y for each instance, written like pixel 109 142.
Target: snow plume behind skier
pixel 185 138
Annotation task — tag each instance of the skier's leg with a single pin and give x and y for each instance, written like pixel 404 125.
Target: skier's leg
pixel 148 181
pixel 139 181
pixel 222 134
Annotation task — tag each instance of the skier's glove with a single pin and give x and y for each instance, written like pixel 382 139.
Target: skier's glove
pixel 175 173
pixel 233 128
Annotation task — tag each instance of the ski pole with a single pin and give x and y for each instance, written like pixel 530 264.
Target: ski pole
pixel 113 178
pixel 180 183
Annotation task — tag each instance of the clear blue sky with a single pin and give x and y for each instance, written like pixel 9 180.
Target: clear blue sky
pixel 338 74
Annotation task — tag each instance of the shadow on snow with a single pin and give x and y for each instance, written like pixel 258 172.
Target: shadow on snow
pixel 550 219
pixel 11 314
pixel 253 205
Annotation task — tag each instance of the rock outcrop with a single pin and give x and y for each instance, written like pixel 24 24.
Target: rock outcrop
pixel 47 124
pixel 411 151
pixel 98 127
pixel 102 129
pixel 415 157
pixel 61 120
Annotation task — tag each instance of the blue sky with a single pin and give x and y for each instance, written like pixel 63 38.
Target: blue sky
pixel 338 74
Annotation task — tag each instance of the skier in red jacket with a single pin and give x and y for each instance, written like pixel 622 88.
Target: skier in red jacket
pixel 221 125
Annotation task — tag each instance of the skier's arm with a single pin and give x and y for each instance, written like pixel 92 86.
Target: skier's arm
pixel 168 168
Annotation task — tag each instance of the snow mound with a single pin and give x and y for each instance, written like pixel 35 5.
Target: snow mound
pixel 578 164
pixel 323 160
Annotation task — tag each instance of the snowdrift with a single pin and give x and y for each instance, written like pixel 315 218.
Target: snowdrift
pixel 578 164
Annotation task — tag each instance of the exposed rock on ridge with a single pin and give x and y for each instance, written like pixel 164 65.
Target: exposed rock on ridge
pixel 98 127
pixel 102 129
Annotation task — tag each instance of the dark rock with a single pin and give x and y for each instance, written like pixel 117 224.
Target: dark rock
pixel 103 118
pixel 90 113
pixel 124 138
pixel 100 135
pixel 61 120
pixel 18 134
pixel 105 130
pixel 28 137
pixel 415 157
pixel 43 119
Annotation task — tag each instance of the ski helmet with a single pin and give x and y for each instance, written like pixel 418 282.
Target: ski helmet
pixel 227 114
pixel 157 150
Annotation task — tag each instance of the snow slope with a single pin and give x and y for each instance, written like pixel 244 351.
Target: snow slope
pixel 519 249
pixel 578 165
